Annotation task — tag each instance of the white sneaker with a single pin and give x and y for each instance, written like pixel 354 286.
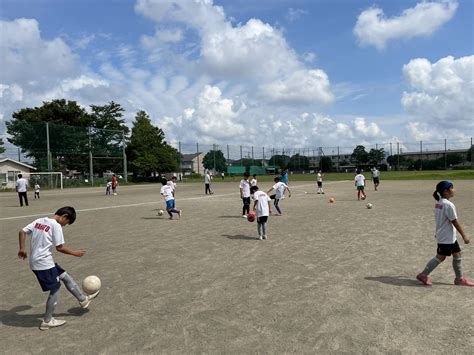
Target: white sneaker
pixel 260 237
pixel 51 324
pixel 87 301
pixel 244 216
pixel 264 237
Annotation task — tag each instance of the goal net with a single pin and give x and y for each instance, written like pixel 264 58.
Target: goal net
pixel 46 180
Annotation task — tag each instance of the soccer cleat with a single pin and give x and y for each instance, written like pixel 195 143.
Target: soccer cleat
pixel 463 282
pixel 424 279
pixel 53 323
pixel 89 298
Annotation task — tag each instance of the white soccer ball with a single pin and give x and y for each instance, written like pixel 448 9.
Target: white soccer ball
pixel 160 213
pixel 363 198
pixel 91 284
pixel 369 206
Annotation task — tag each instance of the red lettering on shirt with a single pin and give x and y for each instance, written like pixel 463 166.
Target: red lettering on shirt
pixel 42 227
pixel 439 206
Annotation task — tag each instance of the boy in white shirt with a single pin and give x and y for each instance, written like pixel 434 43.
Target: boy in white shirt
pixel 37 191
pixel 21 188
pixel 253 182
pixel 446 225
pixel 46 234
pixel 319 181
pixel 167 192
pixel 207 183
pixel 375 177
pixel 245 194
pixel 280 189
pixel 359 181
pixel 262 207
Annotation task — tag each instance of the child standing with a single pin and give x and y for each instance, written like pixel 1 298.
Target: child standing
pixel 108 188
pixel 167 192
pixel 319 181
pixel 47 233
pixel 37 190
pixel 114 184
pixel 262 207
pixel 245 194
pixel 375 177
pixel 280 188
pixel 446 225
pixel 360 185
pixel 207 183
pixel 253 182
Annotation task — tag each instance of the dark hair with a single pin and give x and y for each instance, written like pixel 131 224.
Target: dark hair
pixel 246 174
pixel 173 177
pixel 164 181
pixel 276 179
pixel 70 212
pixel 20 176
pixel 254 175
pixel 441 187
pixel 358 171
pixel 253 189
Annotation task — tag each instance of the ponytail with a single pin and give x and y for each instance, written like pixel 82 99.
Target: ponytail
pixel 436 195
pixel 441 187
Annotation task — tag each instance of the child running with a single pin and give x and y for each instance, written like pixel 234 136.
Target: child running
pixel 360 185
pixel 319 181
pixel 46 234
pixel 262 207
pixel 446 225
pixel 245 194
pixel 167 192
pixel 280 188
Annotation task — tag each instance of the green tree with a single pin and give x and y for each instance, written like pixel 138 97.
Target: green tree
pixel 215 160
pixel 279 160
pixel 147 151
pixel 325 164
pixel 360 155
pixel 2 148
pixel 376 155
pixel 298 162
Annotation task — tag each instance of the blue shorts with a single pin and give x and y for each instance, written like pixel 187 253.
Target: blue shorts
pixel 169 204
pixel 49 279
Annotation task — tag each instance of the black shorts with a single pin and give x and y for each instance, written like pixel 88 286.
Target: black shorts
pixel 262 219
pixel 273 197
pixel 376 180
pixel 49 279
pixel 320 183
pixel 448 249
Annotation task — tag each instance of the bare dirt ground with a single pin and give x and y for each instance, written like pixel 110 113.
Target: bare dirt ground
pixel 331 278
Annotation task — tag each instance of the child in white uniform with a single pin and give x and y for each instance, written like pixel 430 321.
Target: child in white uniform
pixel 280 188
pixel 262 207
pixel 446 225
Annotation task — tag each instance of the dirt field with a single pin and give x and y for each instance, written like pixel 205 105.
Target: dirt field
pixel 331 278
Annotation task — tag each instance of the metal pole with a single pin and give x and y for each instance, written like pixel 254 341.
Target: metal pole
pixel 445 156
pixel 197 151
pixel 180 162
pixel 253 161
pixel 91 165
pixel 19 158
pixel 214 157
pixel 398 156
pixel 240 155
pixel 338 157
pixel 48 151
pixel 125 167
pixel 391 149
pixel 421 155
pixel 228 155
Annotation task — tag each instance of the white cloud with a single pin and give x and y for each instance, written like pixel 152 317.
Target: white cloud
pixel 442 97
pixel 373 28
pixel 295 14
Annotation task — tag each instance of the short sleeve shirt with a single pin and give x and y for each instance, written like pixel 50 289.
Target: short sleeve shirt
pixel 253 182
pixel 21 184
pixel 319 177
pixel 167 192
pixel 445 213
pixel 207 179
pixel 262 204
pixel 360 180
pixel 280 189
pixel 46 234
pixel 245 186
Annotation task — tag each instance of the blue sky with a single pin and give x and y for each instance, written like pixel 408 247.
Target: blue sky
pixel 294 73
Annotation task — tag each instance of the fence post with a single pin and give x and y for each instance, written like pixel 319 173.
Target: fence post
pixel 398 156
pixel 240 155
pixel 338 158
pixel 445 156
pixel 125 167
pixel 421 155
pixel 48 150
pixel 197 152
pixel 180 162
pixel 91 164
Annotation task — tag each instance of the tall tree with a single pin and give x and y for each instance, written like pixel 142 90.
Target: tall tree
pixel 360 155
pixel 376 155
pixel 2 148
pixel 298 162
pixel 214 159
pixel 147 151
pixel 279 160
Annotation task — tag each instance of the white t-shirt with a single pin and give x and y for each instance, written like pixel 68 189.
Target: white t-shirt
pixel 37 188
pixel 360 180
pixel 375 173
pixel 46 233
pixel 245 186
pixel 207 179
pixel 445 213
pixel 262 203
pixel 22 185
pixel 171 184
pixel 167 192
pixel 253 182
pixel 319 177
pixel 280 189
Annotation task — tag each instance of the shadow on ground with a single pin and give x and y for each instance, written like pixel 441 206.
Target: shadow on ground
pixel 239 236
pixel 14 318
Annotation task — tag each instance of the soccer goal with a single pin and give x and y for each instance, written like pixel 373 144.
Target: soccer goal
pixel 46 180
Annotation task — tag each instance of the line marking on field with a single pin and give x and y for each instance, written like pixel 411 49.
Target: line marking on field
pixel 144 203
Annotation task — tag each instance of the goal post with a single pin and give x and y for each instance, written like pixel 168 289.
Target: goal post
pixel 49 180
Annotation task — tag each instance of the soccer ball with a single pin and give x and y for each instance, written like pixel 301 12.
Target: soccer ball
pixel 331 200
pixel 369 206
pixel 160 213
pixel 251 216
pixel 91 284
pixel 363 198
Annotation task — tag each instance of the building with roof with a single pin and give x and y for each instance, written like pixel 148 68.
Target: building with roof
pixel 9 170
pixel 192 163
